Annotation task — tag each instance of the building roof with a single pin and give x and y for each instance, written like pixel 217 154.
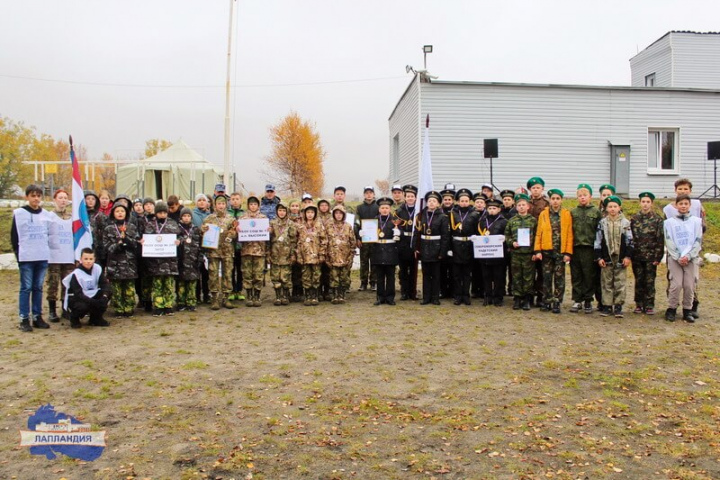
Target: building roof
pixel 674 31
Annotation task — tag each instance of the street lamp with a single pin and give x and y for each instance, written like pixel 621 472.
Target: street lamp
pixel 426 49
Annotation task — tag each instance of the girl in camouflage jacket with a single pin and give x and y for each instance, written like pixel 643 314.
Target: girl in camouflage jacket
pixel 283 242
pixel 311 252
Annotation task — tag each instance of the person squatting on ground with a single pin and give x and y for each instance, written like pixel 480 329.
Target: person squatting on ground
pixel 384 253
pixel 649 239
pixel 340 253
pixel 311 253
pixel 254 255
pixel 221 258
pixel 190 262
pixel 62 254
pixel 463 222
pixel 88 292
pixel 163 270
pixel 431 245
pixel 522 265
pixel 683 239
pixel 613 249
pixel 283 239
pixel 121 268
pixel 583 266
pixel 554 248
pixel 29 235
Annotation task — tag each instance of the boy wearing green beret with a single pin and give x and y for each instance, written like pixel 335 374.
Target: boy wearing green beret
pixel 520 234
pixel 538 203
pixel 647 229
pixel 583 270
pixel 613 250
pixel 554 248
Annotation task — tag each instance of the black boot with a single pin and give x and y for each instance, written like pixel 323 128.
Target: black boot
pixel 278 297
pixel 38 322
pixel 556 307
pixel 516 303
pixel 688 316
pixel 526 303
pixel 148 306
pixel 458 301
pixel 285 296
pixel 486 301
pixel 499 301
pixel 314 297
pixel 52 314
pixel 25 325
pixel 693 310
pixel 74 322
pixel 256 298
pixel 670 314
pixel 539 302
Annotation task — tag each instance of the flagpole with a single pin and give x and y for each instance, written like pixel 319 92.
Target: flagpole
pixel 226 172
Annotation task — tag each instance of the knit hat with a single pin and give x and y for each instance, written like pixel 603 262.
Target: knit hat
pixel 160 206
pixel 201 196
pixel 148 200
pixel 253 199
pixel 185 211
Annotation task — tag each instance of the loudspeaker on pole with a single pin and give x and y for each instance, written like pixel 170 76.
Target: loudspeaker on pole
pixel 490 148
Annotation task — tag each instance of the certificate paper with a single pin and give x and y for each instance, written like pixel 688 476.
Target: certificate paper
pixel 157 245
pixel 523 237
pixel 211 238
pixel 369 231
pixel 350 218
pixel 253 230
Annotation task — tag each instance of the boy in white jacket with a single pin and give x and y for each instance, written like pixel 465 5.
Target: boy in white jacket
pixel 683 239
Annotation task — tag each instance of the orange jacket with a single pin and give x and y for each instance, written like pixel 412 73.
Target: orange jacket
pixel 543 237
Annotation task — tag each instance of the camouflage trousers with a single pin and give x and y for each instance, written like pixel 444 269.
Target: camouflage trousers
pixel 645 274
pixel 216 267
pixel 281 276
pixel 163 291
pixel 340 277
pixel 553 276
pixel 253 269
pixel 311 276
pixel 367 272
pixel 522 271
pixel 613 279
pixel 123 295
pixel 53 280
pixel 187 292
pixel 583 273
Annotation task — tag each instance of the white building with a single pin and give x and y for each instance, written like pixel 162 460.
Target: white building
pixel 638 137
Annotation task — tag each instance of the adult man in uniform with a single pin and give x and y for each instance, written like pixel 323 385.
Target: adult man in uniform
pixel 397 195
pixel 269 202
pixel 367 210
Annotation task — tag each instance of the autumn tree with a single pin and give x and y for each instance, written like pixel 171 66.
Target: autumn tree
pixel 155 146
pixel 296 161
pixel 383 187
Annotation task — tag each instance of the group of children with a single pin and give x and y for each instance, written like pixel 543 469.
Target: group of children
pixel 311 250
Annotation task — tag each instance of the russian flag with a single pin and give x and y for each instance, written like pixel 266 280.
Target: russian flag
pixel 82 235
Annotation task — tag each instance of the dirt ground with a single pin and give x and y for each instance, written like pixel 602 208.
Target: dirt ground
pixel 357 391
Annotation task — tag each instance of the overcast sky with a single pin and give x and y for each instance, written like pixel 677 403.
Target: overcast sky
pixel 116 73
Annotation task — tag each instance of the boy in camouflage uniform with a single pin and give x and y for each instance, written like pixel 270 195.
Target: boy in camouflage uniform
pixel 283 241
pixel 339 199
pixel 222 257
pixel 189 260
pixel 57 271
pixel 236 211
pixel 311 251
pixel 521 263
pixel 163 270
pixel 613 249
pixel 253 258
pixel 341 251
pixel 121 245
pixel 585 219
pixel 538 203
pixel 649 237
pixel 554 247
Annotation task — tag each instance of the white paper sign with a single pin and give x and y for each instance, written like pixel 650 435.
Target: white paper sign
pixel 369 231
pixel 62 249
pixel 488 246
pixel 350 218
pixel 523 237
pixel 253 230
pixel 159 245
pixel 211 238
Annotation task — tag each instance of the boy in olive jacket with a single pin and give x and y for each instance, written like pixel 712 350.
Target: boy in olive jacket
pixel 583 269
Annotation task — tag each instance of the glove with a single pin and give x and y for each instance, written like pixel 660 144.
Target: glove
pixel 449 254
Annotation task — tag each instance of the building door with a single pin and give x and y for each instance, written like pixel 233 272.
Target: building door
pixel 620 168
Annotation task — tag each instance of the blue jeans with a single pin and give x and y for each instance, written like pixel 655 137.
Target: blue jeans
pixel 32 277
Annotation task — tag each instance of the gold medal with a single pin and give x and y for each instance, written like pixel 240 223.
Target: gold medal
pixel 381 234
pixel 281 239
pixel 308 240
pixel 188 240
pixel 428 231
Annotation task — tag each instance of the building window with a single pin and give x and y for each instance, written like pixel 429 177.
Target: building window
pixel 650 80
pixel 395 170
pixel 663 150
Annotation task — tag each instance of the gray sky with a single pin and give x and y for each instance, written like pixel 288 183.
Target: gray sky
pixel 166 63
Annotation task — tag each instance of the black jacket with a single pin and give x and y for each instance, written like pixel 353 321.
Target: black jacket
pixel 463 223
pixel 122 250
pixel 407 217
pixel 433 225
pixel 76 295
pixel 365 211
pixel 385 252
pixel 493 225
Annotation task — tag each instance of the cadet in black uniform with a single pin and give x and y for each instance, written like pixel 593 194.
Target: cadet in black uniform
pixel 384 253
pixel 493 268
pixel 407 261
pixel 463 223
pixel 478 289
pixel 431 245
pixel 508 211
pixel 446 265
